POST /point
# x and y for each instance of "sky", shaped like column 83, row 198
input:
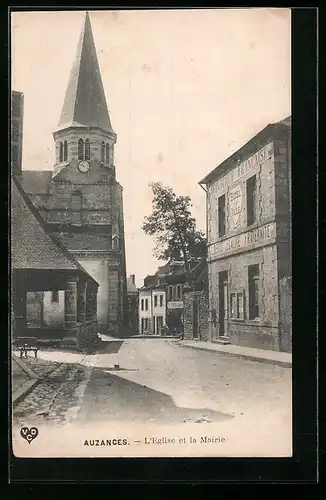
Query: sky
column 185, row 89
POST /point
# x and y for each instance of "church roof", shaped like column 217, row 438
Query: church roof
column 85, row 104
column 32, row 247
column 35, row 181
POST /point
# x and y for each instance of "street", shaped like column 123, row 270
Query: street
column 159, row 381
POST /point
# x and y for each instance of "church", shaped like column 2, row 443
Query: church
column 81, row 200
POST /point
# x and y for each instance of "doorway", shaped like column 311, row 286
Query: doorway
column 223, row 304
column 159, row 325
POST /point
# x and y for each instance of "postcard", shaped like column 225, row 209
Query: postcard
column 151, row 277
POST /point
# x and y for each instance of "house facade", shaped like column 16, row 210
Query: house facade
column 81, row 200
column 249, row 243
column 152, row 306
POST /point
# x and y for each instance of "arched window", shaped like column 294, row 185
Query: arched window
column 80, row 149
column 61, row 152
column 111, row 156
column 65, row 151
column 87, row 150
column 102, row 152
column 107, row 153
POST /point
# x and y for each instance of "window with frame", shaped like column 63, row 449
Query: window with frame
column 146, row 304
column 80, row 149
column 178, row 292
column 170, row 295
column 155, row 300
column 142, row 304
column 102, row 152
column 251, row 200
column 65, row 151
column 237, row 305
column 253, row 280
column 221, row 216
column 161, row 300
column 61, row 152
column 55, row 296
column 87, row 150
column 107, row 153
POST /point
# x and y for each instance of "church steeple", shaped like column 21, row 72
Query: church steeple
column 85, row 104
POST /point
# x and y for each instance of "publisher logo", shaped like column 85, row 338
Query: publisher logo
column 29, row 434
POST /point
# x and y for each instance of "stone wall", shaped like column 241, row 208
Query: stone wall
column 203, row 315
column 286, row 314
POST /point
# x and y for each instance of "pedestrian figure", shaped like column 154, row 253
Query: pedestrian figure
column 165, row 330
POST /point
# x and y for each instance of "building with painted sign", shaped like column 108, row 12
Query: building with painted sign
column 249, row 242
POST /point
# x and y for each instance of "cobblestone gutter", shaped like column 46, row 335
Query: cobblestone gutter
column 55, row 394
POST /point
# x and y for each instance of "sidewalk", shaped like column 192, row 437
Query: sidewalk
column 249, row 353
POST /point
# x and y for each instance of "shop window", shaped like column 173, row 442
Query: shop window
column 55, row 296
column 146, row 304
column 251, row 200
column 142, row 304
column 221, row 216
column 155, row 300
column 161, row 300
column 237, row 305
column 253, row 279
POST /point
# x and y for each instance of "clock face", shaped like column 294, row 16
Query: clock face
column 83, row 166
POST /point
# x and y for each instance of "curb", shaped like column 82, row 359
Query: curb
column 248, row 357
column 24, row 390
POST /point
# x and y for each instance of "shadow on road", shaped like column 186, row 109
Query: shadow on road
column 110, row 397
column 109, row 347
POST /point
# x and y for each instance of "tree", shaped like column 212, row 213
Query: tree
column 173, row 226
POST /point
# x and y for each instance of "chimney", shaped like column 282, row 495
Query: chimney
column 17, row 107
column 133, row 279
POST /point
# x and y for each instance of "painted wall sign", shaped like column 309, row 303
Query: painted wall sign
column 260, row 236
column 246, row 166
column 235, row 206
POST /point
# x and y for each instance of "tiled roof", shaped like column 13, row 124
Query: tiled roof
column 35, row 181
column 31, row 246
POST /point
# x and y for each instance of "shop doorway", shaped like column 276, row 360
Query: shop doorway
column 223, row 304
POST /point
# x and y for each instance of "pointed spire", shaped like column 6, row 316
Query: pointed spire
column 85, row 103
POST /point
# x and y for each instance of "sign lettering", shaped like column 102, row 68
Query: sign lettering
column 262, row 235
column 250, row 164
